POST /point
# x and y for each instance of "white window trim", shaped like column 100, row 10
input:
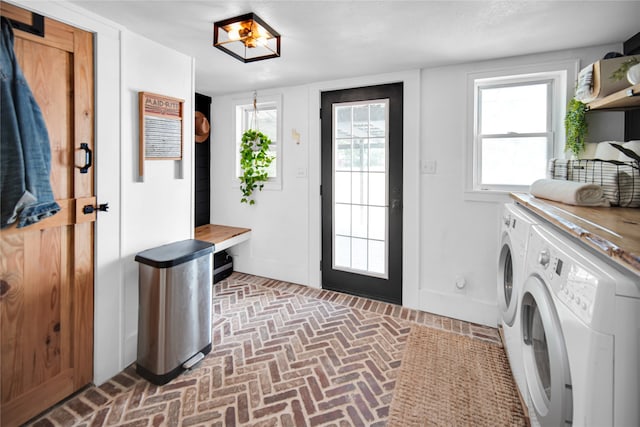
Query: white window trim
column 563, row 73
column 272, row 183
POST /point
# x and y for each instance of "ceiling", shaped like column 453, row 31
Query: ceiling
column 333, row 39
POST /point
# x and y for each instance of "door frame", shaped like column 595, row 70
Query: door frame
column 388, row 287
column 411, row 177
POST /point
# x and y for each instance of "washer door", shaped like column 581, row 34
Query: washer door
column 545, row 359
column 507, row 298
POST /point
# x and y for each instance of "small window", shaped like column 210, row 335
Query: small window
column 267, row 120
column 516, row 124
column 514, row 139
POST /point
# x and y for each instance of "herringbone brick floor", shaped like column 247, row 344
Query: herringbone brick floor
column 283, row 355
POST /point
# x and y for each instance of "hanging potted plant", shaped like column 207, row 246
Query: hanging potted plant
column 575, row 124
column 254, row 162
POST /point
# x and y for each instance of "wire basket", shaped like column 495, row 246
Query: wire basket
column 620, row 180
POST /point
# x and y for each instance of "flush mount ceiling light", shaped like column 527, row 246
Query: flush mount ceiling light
column 247, row 38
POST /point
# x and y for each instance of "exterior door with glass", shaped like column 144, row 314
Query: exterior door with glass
column 362, row 191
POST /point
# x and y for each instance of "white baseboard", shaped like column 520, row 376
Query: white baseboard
column 459, row 306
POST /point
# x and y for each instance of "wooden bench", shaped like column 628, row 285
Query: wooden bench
column 222, row 236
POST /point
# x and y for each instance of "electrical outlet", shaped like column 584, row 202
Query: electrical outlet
column 428, row 167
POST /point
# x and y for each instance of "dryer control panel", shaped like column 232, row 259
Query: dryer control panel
column 578, row 292
column 573, row 279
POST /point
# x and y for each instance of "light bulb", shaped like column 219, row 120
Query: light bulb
column 233, row 34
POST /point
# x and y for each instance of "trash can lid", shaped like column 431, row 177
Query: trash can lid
column 175, row 253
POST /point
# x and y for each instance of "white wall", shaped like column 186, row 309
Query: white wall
column 157, row 207
column 459, row 236
column 141, row 214
column 278, row 220
column 285, row 242
column 446, row 235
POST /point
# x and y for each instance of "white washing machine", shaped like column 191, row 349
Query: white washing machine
column 580, row 319
column 514, row 235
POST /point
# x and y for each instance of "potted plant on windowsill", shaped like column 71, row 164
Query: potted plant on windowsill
column 254, row 162
column 575, row 124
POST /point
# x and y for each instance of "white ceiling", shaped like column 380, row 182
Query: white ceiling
column 326, row 40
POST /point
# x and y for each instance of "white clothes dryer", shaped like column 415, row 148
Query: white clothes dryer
column 580, row 317
column 514, row 235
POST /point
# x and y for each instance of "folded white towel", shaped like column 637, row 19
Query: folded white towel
column 584, row 84
column 569, row 192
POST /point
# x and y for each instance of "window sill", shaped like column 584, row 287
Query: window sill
column 488, row 196
column 271, row 185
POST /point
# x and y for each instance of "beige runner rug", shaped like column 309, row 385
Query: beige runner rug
column 451, row 380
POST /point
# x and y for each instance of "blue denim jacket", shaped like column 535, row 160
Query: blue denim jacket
column 25, row 153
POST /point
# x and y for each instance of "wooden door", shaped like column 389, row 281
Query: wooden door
column 46, row 269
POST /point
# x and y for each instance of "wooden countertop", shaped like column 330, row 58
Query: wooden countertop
column 222, row 236
column 614, row 232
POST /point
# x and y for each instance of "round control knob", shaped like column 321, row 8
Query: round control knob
column 578, row 300
column 544, row 258
column 506, row 219
column 584, row 305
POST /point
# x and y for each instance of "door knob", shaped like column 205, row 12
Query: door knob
column 543, row 258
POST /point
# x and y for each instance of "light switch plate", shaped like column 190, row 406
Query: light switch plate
column 428, row 167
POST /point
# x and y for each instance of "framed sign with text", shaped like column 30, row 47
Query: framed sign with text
column 160, row 124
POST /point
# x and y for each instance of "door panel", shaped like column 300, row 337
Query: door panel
column 46, row 269
column 362, row 191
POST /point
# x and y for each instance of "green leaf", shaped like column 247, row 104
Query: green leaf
column 576, row 127
column 254, row 161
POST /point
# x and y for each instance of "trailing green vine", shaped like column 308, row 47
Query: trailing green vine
column 254, row 161
column 575, row 124
column 621, row 72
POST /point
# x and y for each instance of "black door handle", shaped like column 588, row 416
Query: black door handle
column 88, row 157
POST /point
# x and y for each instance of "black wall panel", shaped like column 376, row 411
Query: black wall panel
column 632, row 118
column 203, row 167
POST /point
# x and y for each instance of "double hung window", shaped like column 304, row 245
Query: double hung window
column 516, row 123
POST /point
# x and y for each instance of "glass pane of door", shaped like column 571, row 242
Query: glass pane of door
column 360, row 187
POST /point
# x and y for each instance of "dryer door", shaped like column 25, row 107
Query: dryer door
column 544, row 354
column 507, row 297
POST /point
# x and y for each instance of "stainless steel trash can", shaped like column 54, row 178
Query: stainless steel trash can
column 174, row 312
